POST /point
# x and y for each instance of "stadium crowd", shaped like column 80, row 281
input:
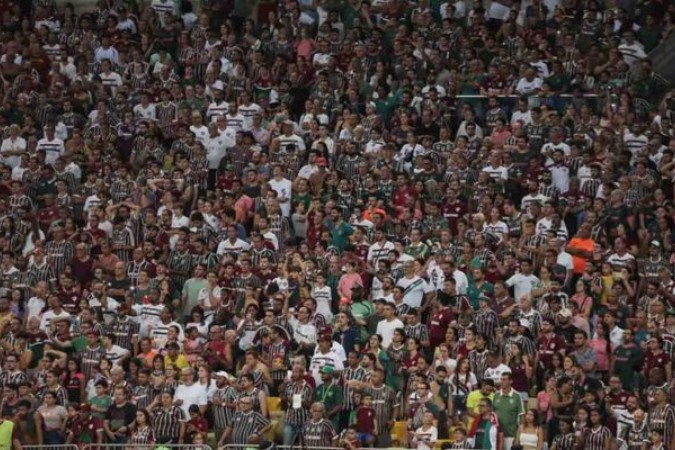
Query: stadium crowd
column 343, row 224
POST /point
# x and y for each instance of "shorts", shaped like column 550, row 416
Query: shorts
column 363, row 438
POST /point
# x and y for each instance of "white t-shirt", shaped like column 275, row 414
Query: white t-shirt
column 116, row 354
column 237, row 247
column 323, row 297
column 431, row 436
column 9, row 145
column 320, row 360
column 284, row 189
column 526, row 87
column 201, row 133
column 53, row 149
column 522, row 284
column 414, row 290
column 386, row 330
column 496, row 373
column 191, row 395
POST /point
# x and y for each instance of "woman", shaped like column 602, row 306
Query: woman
column 414, row 356
column 143, row 432
column 382, row 360
column 205, row 380
column 158, row 366
column 530, row 436
column 452, row 342
column 565, row 439
column 468, row 344
column 197, row 316
column 398, row 352
column 562, row 405
column 583, row 299
column 50, row 420
column 193, row 345
column 443, row 357
column 596, row 435
column 603, row 349
column 73, row 381
column 544, row 399
column 461, row 384
column 521, row 368
column 167, row 412
column 556, row 370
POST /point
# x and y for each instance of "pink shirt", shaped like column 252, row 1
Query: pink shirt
column 347, row 282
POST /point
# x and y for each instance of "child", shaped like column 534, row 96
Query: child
column 197, row 423
column 356, row 401
column 366, row 424
column 350, row 439
column 424, row 438
column 460, row 439
column 101, row 402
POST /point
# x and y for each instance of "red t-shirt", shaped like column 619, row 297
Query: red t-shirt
column 438, row 326
column 365, row 420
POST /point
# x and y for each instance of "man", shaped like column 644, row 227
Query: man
column 486, row 433
column 385, row 404
column 548, row 344
column 318, row 432
column 190, row 393
column 330, row 396
column 495, row 368
column 120, row 418
column 386, row 327
column 662, row 418
column 627, row 357
column 248, row 425
column 508, row 405
column 474, row 399
column 296, row 396
column 524, row 281
column 584, row 355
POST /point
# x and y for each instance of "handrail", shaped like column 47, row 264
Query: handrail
column 137, row 447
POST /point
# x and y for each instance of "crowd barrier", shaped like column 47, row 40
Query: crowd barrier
column 300, row 447
column 135, row 447
column 49, row 447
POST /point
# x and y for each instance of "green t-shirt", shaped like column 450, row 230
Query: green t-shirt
column 508, row 409
column 340, row 234
column 330, row 396
column 103, row 401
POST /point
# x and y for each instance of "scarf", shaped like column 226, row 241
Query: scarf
column 491, row 434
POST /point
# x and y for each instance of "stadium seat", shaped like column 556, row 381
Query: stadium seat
column 440, row 442
column 398, row 433
column 273, row 404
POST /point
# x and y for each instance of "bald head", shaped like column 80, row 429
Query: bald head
column 638, row 415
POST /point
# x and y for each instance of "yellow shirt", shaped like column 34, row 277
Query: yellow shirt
column 181, row 361
column 472, row 401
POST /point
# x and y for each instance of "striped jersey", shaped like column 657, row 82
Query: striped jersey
column 223, row 416
column 297, row 417
column 384, row 402
column 165, row 421
column 61, row 254
column 318, row 434
column 245, row 424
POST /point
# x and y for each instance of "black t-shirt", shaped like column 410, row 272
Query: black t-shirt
column 124, row 284
column 120, row 416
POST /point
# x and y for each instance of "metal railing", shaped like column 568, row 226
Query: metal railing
column 49, row 447
column 137, row 447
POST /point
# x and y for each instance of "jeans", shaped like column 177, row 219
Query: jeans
column 291, row 434
column 54, row 437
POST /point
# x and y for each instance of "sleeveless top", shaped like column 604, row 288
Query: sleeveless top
column 529, row 441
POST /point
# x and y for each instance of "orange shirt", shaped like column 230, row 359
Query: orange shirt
column 581, row 244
